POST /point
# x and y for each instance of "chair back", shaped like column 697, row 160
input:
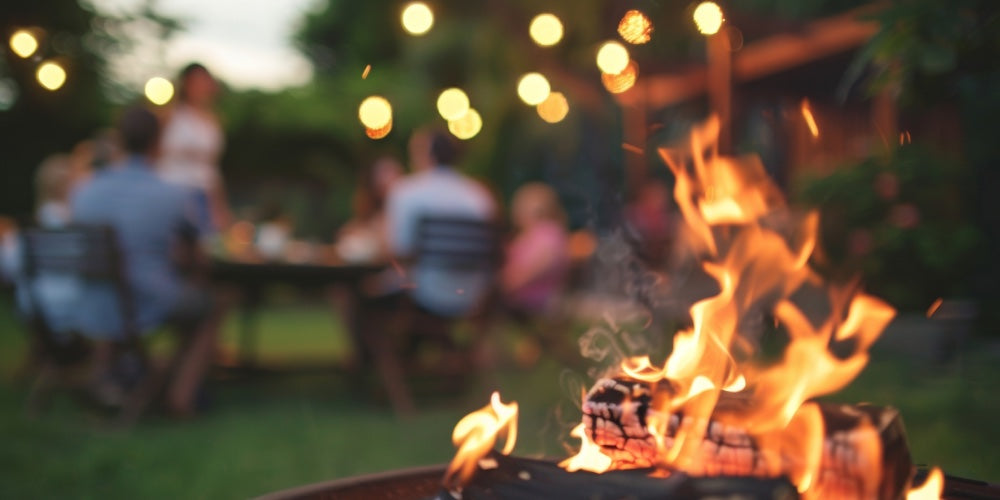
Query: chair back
column 458, row 243
column 89, row 253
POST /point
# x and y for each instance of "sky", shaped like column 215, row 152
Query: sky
column 246, row 43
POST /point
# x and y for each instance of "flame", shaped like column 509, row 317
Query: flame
column 739, row 225
column 931, row 489
column 589, row 458
column 476, row 434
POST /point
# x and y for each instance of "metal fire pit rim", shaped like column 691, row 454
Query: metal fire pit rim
column 312, row 489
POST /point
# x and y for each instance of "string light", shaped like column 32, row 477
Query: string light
column 708, row 18
column 378, row 133
column 533, row 88
column 375, row 112
column 635, row 27
column 159, row 90
column 467, row 126
column 546, row 29
column 612, row 58
column 452, row 103
column 23, row 43
column 554, row 108
column 417, row 18
column 51, row 75
column 618, row 83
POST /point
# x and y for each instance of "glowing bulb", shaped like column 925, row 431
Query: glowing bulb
column 159, row 90
column 612, row 58
column 616, row 84
column 51, row 75
column 708, row 18
column 533, row 88
column 546, row 29
column 452, row 104
column 554, row 108
column 375, row 112
column 635, row 27
column 378, row 133
column 23, row 43
column 467, row 126
column 417, row 18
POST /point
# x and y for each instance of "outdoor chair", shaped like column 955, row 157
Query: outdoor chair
column 446, row 244
column 87, row 254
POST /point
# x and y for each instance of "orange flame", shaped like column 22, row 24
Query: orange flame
column 931, row 489
column 730, row 206
column 476, row 434
column 589, row 458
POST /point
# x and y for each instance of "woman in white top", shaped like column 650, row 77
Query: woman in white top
column 192, row 143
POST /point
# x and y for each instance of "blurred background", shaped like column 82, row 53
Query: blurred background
column 880, row 114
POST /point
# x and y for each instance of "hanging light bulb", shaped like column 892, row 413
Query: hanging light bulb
column 533, row 88
column 546, row 29
column 612, row 58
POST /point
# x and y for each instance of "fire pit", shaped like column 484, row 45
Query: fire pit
column 714, row 419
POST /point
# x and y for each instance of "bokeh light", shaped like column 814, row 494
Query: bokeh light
column 618, row 83
column 533, row 88
column 635, row 27
column 417, row 18
column 378, row 133
column 708, row 18
column 51, row 75
column 546, row 29
column 612, row 58
column 467, row 126
column 554, row 108
column 375, row 112
column 23, row 43
column 159, row 90
column 452, row 103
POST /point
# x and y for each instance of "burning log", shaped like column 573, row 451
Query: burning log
column 503, row 477
column 865, row 454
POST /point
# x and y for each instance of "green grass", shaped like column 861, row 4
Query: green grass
column 265, row 433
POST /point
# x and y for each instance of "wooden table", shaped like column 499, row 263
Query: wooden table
column 253, row 278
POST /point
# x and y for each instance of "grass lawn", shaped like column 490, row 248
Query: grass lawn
column 268, row 432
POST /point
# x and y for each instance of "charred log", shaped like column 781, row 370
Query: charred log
column 504, row 477
column 615, row 414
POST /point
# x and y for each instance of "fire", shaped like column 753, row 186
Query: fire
column 729, row 207
column 589, row 458
column 807, row 115
column 931, row 489
column 476, row 434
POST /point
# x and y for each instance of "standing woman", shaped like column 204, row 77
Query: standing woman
column 192, row 143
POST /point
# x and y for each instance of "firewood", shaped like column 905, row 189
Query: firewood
column 615, row 413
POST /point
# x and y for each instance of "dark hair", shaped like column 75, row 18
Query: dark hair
column 139, row 129
column 182, row 78
column 444, row 148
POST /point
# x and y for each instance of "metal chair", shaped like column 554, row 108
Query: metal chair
column 89, row 254
column 460, row 244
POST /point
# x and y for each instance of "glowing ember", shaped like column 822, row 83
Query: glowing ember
column 612, row 58
column 546, row 30
column 807, row 115
column 708, row 18
column 621, row 82
column 635, row 27
column 476, row 434
column 554, row 108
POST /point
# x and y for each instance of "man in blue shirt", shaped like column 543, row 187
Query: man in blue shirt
column 152, row 220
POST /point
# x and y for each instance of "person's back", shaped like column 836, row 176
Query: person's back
column 439, row 191
column 148, row 217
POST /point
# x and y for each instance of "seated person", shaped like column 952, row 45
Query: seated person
column 437, row 188
column 538, row 256
column 152, row 219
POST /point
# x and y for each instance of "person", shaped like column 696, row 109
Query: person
column 152, row 220
column 363, row 237
column 192, row 145
column 53, row 183
column 538, row 257
column 437, row 188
